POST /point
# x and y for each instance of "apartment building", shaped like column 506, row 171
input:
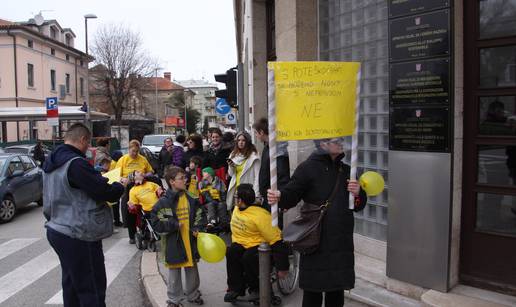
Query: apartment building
column 39, row 61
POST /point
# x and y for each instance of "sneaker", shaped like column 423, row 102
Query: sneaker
column 254, row 294
column 132, row 241
column 231, row 296
column 198, row 301
column 118, row 224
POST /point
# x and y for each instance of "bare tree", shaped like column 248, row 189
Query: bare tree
column 123, row 65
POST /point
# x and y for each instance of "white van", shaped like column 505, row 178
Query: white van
column 154, row 142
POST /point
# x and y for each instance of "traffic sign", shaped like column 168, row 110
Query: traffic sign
column 222, row 107
column 52, row 111
column 231, row 118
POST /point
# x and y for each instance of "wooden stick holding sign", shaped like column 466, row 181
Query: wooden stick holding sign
column 354, row 143
column 272, row 142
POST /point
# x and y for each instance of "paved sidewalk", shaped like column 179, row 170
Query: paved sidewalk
column 213, row 284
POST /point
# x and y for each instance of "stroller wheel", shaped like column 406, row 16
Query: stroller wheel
column 140, row 244
column 151, row 247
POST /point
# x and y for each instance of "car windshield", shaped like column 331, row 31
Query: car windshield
column 2, row 162
column 17, row 150
column 155, row 140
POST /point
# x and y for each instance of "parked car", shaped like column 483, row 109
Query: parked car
column 27, row 149
column 149, row 155
column 21, row 183
column 154, row 142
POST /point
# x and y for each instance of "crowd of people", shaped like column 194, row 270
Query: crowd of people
column 221, row 187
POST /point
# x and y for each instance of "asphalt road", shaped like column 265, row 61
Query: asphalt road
column 30, row 274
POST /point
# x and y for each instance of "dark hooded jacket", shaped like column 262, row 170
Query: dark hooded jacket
column 332, row 266
column 164, row 221
column 217, row 157
column 81, row 175
column 283, row 172
column 189, row 154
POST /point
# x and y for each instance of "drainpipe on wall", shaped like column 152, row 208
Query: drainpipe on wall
column 15, row 66
column 15, row 80
column 76, row 95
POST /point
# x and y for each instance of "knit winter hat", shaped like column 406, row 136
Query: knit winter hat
column 209, row 170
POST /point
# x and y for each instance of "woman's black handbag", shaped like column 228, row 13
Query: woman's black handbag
column 303, row 234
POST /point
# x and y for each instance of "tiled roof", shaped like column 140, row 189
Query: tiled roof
column 5, row 22
column 163, row 84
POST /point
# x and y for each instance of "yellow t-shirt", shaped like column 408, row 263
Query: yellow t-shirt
column 239, row 170
column 183, row 214
column 252, row 226
column 129, row 165
column 112, row 166
column 192, row 187
column 144, row 195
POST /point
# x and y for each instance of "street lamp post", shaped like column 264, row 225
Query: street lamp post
column 88, row 111
column 156, row 96
column 185, row 97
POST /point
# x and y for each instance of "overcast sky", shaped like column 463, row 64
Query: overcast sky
column 192, row 38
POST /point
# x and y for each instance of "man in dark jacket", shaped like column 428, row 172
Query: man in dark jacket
column 330, row 269
column 78, row 218
column 165, row 155
column 261, row 131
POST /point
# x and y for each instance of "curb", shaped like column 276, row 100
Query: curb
column 153, row 283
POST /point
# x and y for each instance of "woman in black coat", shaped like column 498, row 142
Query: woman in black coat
column 330, row 269
column 194, row 148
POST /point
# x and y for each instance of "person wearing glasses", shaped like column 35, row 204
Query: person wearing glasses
column 330, row 269
column 178, row 217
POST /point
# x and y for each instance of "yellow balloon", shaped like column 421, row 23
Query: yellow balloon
column 372, row 183
column 211, row 247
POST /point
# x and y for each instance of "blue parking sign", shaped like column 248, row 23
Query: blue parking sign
column 51, row 103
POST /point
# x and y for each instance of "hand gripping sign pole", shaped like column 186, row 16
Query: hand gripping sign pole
column 354, row 142
column 264, row 249
column 272, row 142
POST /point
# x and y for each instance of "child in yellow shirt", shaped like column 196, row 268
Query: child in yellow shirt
column 251, row 224
column 178, row 217
column 144, row 193
column 193, row 175
column 213, row 192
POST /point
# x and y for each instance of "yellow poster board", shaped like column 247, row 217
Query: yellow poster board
column 314, row 100
column 113, row 175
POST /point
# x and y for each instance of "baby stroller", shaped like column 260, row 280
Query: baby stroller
column 146, row 237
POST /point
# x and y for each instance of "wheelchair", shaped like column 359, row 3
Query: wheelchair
column 145, row 237
column 285, row 286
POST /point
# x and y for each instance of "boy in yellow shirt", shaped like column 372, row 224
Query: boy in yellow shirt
column 251, row 225
column 178, row 217
column 213, row 192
